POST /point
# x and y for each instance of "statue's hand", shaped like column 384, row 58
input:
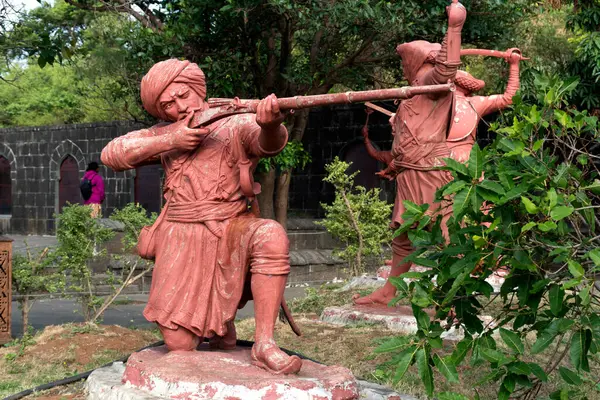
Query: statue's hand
column 268, row 116
column 457, row 14
column 384, row 173
column 182, row 136
column 513, row 55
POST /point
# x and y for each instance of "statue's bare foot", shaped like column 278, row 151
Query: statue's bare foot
column 377, row 297
column 267, row 355
column 226, row 342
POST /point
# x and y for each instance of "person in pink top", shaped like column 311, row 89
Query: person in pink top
column 97, row 198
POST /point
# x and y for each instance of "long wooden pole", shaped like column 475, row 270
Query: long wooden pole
column 298, row 102
column 222, row 108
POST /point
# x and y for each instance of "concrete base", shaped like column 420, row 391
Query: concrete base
column 229, row 375
column 398, row 319
column 107, row 384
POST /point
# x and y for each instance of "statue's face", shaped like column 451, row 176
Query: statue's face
column 178, row 99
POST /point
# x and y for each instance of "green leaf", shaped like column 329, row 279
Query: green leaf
column 572, row 378
column 519, row 368
column 509, row 382
column 457, row 167
column 461, row 350
column 412, row 207
column 394, row 344
column 580, row 345
column 475, row 165
column 560, row 212
column 556, row 294
column 425, row 370
column 493, row 356
column 547, row 226
column 527, row 226
column 571, row 283
column 575, row 269
column 461, row 200
column 421, row 297
column 454, row 187
column 493, row 186
column 455, row 286
column 594, row 255
column 446, row 367
column 406, row 359
column 552, row 198
column 538, row 372
column 594, row 187
column 422, row 318
column 529, row 205
column 512, row 340
column 544, row 340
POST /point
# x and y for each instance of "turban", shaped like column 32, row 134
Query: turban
column 415, row 55
column 468, row 82
column 164, row 73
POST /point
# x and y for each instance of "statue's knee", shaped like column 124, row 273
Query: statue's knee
column 272, row 237
column 179, row 339
column 401, row 245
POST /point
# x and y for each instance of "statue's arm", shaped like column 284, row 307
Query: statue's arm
column 135, row 148
column 488, row 104
column 260, row 142
column 447, row 60
column 379, row 155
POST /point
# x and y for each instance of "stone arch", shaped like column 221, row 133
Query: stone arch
column 8, row 154
column 63, row 150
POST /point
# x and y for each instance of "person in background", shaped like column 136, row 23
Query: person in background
column 94, row 187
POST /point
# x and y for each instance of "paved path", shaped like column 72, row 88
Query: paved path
column 47, row 312
column 36, row 243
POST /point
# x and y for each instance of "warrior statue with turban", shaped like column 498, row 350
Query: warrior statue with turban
column 212, row 253
column 420, row 127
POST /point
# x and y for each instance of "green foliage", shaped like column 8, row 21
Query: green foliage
column 134, row 217
column 80, row 238
column 534, row 212
column 34, row 274
column 292, row 156
column 357, row 217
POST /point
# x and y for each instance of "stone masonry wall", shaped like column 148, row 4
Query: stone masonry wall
column 35, row 156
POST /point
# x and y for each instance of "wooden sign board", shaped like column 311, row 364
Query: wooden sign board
column 5, row 288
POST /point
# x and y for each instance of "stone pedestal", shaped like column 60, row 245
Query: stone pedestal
column 5, row 288
column 398, row 319
column 205, row 374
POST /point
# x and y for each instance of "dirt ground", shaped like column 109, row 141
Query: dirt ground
column 66, row 350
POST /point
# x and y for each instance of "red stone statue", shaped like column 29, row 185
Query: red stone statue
column 468, row 109
column 212, row 252
column 420, row 128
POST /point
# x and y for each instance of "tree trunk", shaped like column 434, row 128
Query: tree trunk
column 25, row 312
column 282, row 196
column 265, row 198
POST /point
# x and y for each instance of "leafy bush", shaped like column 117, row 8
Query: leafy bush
column 79, row 239
column 357, row 217
column 535, row 212
column 33, row 274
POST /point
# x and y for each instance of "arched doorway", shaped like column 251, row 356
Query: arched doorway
column 361, row 161
column 5, row 187
column 148, row 188
column 68, row 187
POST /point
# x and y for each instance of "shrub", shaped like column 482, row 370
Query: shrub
column 357, row 217
column 535, row 213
